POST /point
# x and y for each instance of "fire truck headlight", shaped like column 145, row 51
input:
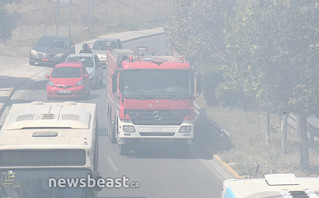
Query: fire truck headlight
column 128, row 128
column 185, row 129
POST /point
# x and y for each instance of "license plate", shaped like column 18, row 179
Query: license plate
column 156, row 129
column 64, row 91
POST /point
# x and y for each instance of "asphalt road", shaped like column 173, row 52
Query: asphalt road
column 159, row 170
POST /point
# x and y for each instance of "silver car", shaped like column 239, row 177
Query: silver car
column 92, row 64
column 101, row 45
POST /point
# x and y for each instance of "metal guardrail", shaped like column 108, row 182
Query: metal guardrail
column 312, row 125
column 292, row 120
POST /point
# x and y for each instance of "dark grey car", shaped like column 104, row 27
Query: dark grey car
column 51, row 50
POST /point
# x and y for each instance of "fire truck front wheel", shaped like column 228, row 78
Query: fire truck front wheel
column 123, row 149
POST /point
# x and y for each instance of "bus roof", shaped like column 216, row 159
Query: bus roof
column 39, row 124
column 272, row 186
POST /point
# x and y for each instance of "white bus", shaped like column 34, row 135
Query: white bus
column 272, row 186
column 40, row 142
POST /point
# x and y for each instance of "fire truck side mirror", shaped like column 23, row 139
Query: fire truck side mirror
column 121, row 58
column 114, row 82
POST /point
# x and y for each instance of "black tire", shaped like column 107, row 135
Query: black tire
column 31, row 62
column 111, row 135
column 88, row 94
column 101, row 82
column 123, row 149
column 95, row 85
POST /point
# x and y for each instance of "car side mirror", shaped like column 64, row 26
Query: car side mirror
column 86, row 75
column 47, row 76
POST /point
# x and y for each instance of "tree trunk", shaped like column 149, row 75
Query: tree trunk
column 268, row 129
column 304, row 142
column 284, row 133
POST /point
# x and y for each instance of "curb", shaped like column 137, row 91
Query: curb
column 222, row 133
column 218, row 160
column 142, row 37
column 6, row 100
column 227, row 167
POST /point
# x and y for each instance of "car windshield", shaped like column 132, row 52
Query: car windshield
column 51, row 42
column 101, row 45
column 150, row 83
column 86, row 61
column 66, row 72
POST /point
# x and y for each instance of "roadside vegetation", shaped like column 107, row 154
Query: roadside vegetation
column 259, row 64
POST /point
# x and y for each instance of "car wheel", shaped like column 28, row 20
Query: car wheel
column 31, row 62
column 88, row 93
column 96, row 84
column 101, row 82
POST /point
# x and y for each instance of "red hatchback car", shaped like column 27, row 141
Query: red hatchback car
column 68, row 79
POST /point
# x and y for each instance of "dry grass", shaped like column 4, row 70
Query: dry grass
column 248, row 134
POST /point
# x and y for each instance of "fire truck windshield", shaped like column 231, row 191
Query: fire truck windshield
column 164, row 83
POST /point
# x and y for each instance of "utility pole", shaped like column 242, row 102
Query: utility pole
column 106, row 19
column 57, row 18
column 93, row 15
column 89, row 15
column 70, row 16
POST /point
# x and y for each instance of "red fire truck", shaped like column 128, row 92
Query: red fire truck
column 150, row 98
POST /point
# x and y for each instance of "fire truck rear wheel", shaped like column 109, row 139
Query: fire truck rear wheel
column 112, row 135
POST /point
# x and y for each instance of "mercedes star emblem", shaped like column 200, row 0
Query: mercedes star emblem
column 157, row 115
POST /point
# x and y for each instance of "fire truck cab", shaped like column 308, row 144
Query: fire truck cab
column 150, row 98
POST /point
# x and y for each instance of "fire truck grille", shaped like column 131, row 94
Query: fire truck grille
column 157, row 117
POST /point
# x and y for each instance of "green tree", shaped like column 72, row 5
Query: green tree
column 272, row 56
column 7, row 20
column 267, row 50
column 196, row 30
